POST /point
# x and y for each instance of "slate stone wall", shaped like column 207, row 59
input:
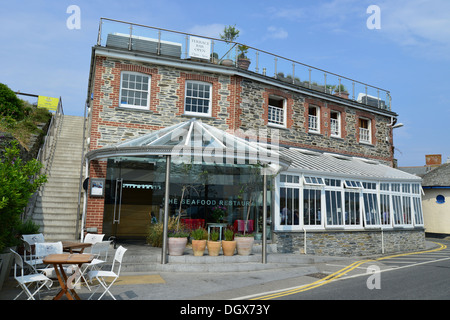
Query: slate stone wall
column 237, row 104
column 350, row 243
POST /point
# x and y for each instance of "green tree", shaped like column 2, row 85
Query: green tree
column 18, row 181
column 10, row 105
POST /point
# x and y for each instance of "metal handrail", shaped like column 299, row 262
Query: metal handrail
column 277, row 59
column 45, row 154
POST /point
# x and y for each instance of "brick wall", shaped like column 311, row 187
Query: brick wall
column 237, row 104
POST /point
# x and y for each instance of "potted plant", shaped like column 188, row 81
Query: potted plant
column 178, row 237
column 229, row 244
column 243, row 61
column 213, row 244
column 341, row 91
column 244, row 243
column 218, row 213
column 199, row 237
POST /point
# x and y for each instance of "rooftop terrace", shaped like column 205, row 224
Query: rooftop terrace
column 141, row 38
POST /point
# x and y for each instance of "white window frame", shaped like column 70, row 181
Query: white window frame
column 335, row 124
column 314, row 120
column 276, row 116
column 196, row 113
column 365, row 134
column 126, row 105
column 388, row 196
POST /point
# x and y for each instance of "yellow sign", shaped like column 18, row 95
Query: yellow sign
column 48, row 103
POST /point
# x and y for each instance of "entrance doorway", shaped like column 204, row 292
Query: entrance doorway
column 133, row 195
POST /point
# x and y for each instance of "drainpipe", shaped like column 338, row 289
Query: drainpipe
column 166, row 212
column 382, row 241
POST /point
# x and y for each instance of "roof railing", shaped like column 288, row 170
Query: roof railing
column 132, row 36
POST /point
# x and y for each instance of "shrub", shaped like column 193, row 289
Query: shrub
column 18, row 181
column 155, row 231
column 10, row 105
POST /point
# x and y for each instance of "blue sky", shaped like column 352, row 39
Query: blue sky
column 409, row 54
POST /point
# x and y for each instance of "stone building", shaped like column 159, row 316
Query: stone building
column 331, row 188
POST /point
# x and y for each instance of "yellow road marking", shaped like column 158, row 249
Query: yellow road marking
column 142, row 279
column 338, row 274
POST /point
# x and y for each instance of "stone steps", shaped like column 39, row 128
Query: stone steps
column 57, row 203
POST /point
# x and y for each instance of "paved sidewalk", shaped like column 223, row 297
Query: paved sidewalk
column 177, row 281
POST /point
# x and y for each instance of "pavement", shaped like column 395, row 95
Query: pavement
column 187, row 277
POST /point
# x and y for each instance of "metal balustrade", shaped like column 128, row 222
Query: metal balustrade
column 137, row 37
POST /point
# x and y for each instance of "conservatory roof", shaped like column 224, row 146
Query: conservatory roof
column 311, row 162
column 194, row 138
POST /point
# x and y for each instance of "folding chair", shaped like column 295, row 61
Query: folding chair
column 93, row 238
column 100, row 251
column 101, row 274
column 29, row 241
column 27, row 280
column 90, row 238
column 46, row 248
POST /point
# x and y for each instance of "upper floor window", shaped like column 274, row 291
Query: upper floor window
column 364, row 131
column 134, row 90
column 313, row 119
column 335, row 123
column 198, row 98
column 276, row 111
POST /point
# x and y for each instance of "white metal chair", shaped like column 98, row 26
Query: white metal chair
column 46, row 248
column 29, row 240
column 25, row 281
column 100, row 275
column 100, row 252
column 93, row 238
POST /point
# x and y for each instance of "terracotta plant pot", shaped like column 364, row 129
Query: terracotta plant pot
column 198, row 246
column 243, row 63
column 213, row 247
column 177, row 246
column 228, row 247
column 244, row 245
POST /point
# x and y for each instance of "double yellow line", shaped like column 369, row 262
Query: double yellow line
column 338, row 274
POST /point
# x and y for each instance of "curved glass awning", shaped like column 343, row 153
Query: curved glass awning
column 195, row 139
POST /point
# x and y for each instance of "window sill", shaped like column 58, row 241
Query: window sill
column 191, row 115
column 277, row 126
column 146, row 109
column 366, row 143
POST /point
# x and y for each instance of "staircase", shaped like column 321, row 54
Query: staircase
column 57, row 203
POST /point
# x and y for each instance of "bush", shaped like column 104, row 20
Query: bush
column 10, row 105
column 16, row 187
column 155, row 231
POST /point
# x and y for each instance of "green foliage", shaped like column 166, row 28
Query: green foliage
column 229, row 234
column 174, row 229
column 214, row 235
column 243, row 51
column 199, row 234
column 10, row 105
column 230, row 33
column 16, row 187
column 28, row 227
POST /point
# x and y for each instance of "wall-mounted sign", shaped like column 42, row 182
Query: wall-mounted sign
column 97, row 187
column 48, row 103
column 199, row 48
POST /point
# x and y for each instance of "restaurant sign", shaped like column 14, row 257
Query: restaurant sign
column 199, row 48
